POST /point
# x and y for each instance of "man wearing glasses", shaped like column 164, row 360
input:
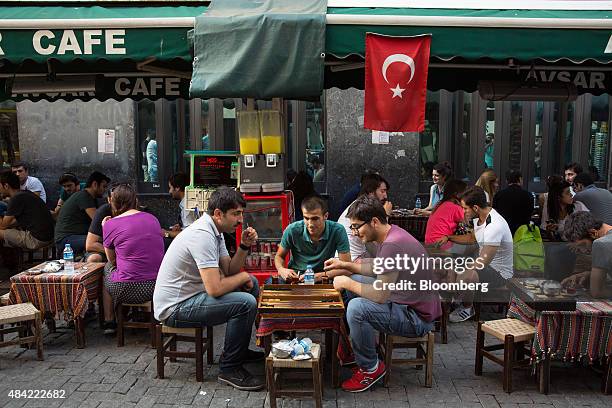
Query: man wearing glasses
column 311, row 241
column 382, row 305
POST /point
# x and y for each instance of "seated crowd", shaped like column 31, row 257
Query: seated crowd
column 188, row 273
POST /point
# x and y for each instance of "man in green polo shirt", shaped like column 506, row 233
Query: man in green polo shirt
column 312, row 241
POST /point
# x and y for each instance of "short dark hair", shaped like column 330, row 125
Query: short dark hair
column 179, row 180
column 444, row 169
column 475, row 196
column 513, row 176
column 367, row 173
column 578, row 224
column 313, row 202
column 225, row 199
column 576, row 167
column 371, row 182
column 365, row 208
column 20, row 164
column 10, row 178
column 97, row 177
column 68, row 178
column 583, row 178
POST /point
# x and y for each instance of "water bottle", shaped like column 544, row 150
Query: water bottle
column 68, row 259
column 417, row 203
column 309, row 276
column 301, row 347
column 535, row 200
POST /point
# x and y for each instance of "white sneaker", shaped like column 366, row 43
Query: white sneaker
column 461, row 314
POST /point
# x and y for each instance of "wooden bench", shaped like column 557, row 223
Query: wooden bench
column 22, row 317
column 424, row 354
column 120, row 311
column 274, row 366
column 516, row 336
column 168, row 348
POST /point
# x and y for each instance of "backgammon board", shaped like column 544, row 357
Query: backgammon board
column 300, row 300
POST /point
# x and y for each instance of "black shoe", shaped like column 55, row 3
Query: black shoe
column 241, row 379
column 252, row 356
column 109, row 328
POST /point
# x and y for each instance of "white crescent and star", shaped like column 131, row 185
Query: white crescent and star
column 397, row 91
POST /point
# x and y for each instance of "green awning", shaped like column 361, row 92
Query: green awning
column 526, row 35
column 94, row 33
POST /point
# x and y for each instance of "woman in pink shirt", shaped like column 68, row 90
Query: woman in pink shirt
column 446, row 216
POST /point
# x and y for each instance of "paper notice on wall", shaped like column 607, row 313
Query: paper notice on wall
column 106, row 140
column 380, row 137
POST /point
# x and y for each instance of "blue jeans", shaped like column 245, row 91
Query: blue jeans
column 237, row 309
column 366, row 317
column 77, row 243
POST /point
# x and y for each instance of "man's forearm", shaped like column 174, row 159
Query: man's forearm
column 230, row 283
column 368, row 291
column 237, row 261
column 465, row 239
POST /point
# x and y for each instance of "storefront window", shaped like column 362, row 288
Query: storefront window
column 315, row 144
column 230, row 126
column 463, row 102
column 205, row 125
column 489, row 148
column 146, row 138
column 600, row 136
column 429, row 140
column 9, row 141
column 538, row 142
column 516, row 133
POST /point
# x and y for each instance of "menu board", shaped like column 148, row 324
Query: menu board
column 214, row 170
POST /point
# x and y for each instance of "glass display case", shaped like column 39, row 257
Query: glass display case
column 269, row 215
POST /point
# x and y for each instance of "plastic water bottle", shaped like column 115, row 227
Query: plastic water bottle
column 309, row 276
column 417, row 203
column 68, row 259
column 301, row 347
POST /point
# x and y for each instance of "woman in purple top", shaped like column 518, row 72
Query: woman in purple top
column 134, row 248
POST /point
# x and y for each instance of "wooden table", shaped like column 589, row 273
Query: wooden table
column 533, row 297
column 303, row 307
column 585, row 332
column 414, row 224
column 61, row 292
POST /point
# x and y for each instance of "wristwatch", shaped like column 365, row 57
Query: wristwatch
column 244, row 247
column 166, row 234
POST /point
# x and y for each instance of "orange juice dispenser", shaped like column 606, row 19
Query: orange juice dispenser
column 262, row 167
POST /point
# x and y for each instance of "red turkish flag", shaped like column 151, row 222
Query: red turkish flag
column 396, row 82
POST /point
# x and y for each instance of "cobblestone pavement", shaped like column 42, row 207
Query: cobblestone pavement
column 103, row 375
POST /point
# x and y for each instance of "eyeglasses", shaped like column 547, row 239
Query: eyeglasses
column 355, row 228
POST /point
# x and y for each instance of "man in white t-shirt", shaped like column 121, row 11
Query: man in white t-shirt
column 28, row 182
column 494, row 264
column 372, row 185
column 176, row 187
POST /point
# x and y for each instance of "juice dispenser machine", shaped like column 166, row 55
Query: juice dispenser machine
column 262, row 162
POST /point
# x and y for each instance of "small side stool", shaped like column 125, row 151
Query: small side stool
column 273, row 373
column 146, row 307
column 424, row 354
column 26, row 316
column 516, row 336
column 175, row 334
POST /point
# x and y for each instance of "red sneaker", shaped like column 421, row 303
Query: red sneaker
column 361, row 381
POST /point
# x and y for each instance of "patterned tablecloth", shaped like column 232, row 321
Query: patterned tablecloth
column 58, row 292
column 586, row 332
column 414, row 224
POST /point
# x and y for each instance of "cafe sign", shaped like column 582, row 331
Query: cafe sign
column 116, row 87
column 595, row 80
column 163, row 43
